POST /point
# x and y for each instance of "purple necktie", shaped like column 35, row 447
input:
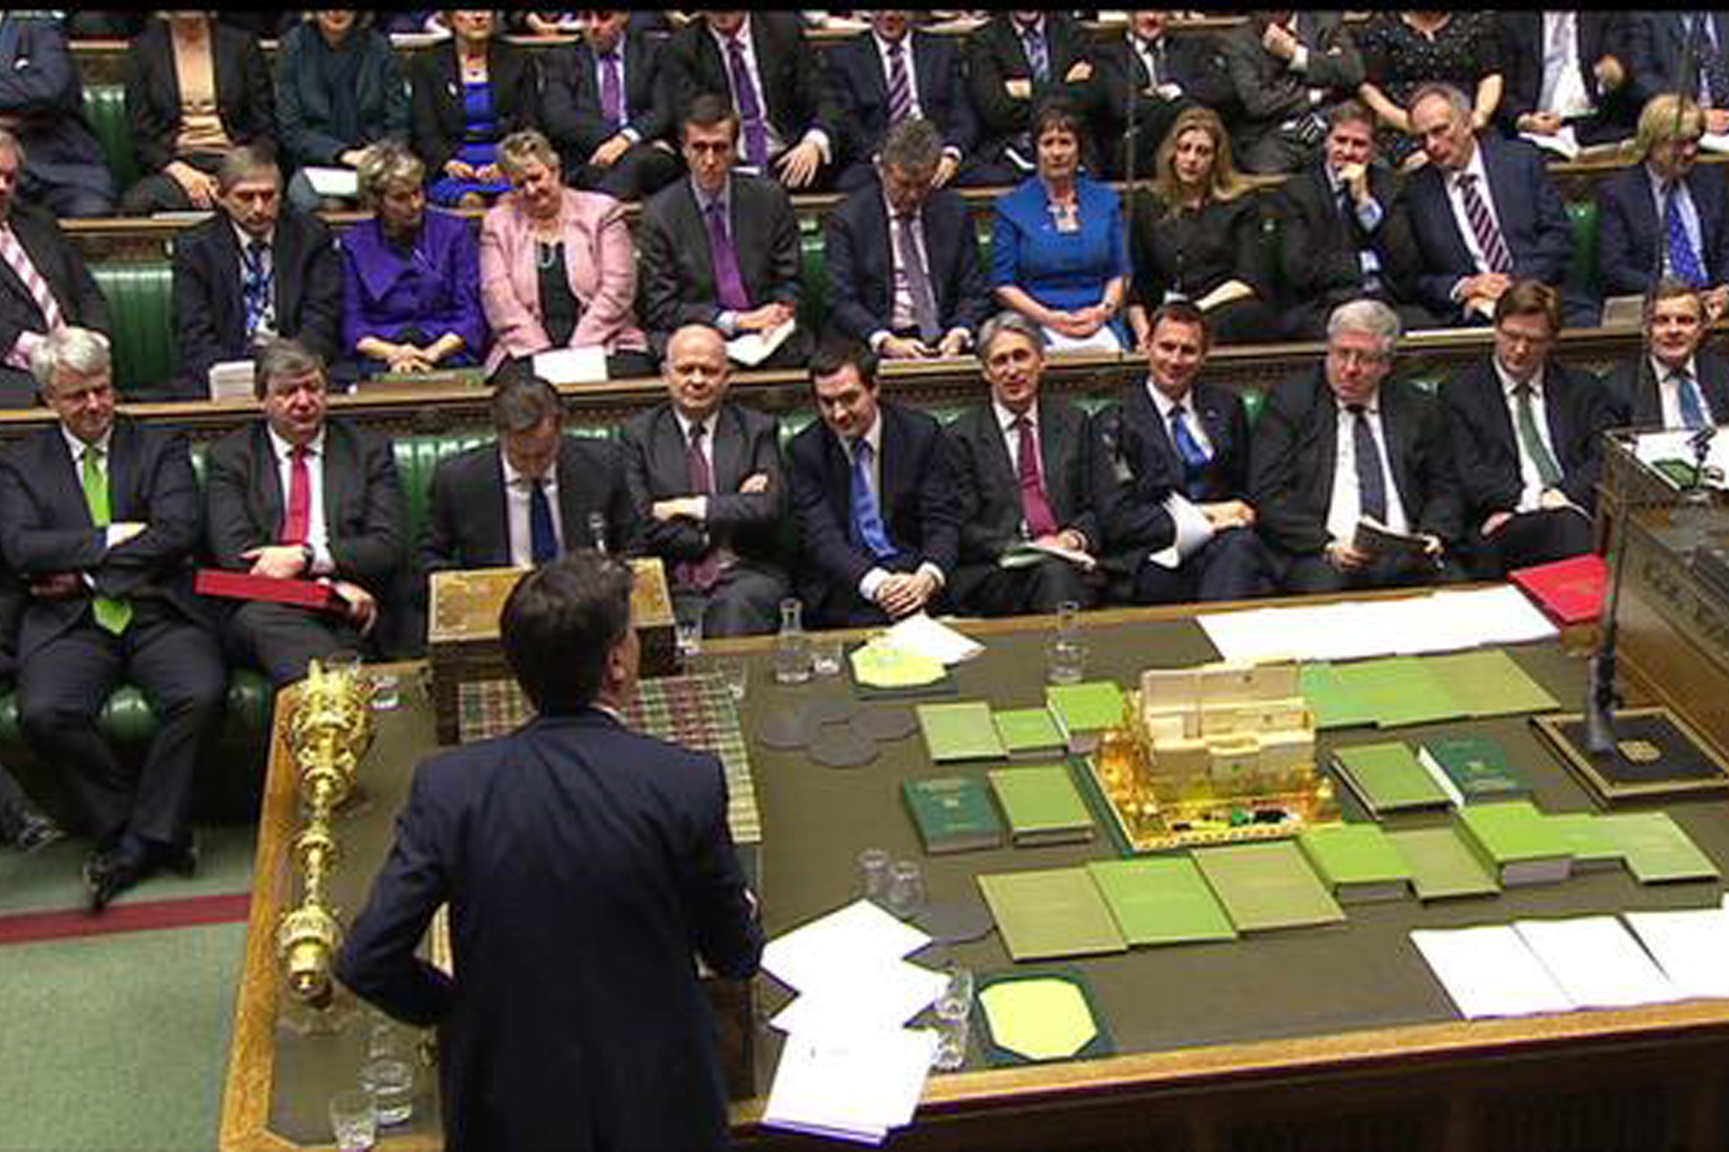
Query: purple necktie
column 900, row 85
column 611, row 91
column 728, row 284
column 749, row 107
column 1035, row 508
column 918, row 281
column 701, row 574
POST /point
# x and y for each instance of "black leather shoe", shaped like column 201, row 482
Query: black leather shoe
column 182, row 860
column 107, row 876
column 38, row 832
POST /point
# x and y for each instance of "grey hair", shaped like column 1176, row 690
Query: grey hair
column 1007, row 321
column 1456, row 99
column 80, row 350
column 284, row 357
column 913, row 145
column 245, row 162
column 386, row 163
column 1371, row 316
column 516, row 149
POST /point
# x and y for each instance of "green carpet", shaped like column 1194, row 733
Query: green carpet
column 117, row 1043
column 50, row 880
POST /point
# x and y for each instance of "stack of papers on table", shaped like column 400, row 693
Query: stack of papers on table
column 849, row 1069
column 919, row 633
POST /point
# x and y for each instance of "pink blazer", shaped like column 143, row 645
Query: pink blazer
column 599, row 259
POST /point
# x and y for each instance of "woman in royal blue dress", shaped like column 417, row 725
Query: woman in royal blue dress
column 469, row 94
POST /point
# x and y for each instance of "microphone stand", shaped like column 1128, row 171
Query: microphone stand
column 1132, row 142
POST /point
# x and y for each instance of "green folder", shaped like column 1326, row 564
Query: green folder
column 1161, row 900
column 1357, row 862
column 1085, row 709
column 1442, row 865
column 1475, row 766
column 1029, row 731
column 1489, row 682
column 960, row 731
column 1657, row 849
column 1050, row 913
column 1517, row 841
column 1266, row 886
column 1334, row 705
column 1588, row 838
column 953, row 813
column 1400, row 690
column 1387, row 777
column 1042, row 804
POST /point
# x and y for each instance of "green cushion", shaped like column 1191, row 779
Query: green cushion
column 813, row 295
column 141, row 309
column 126, row 719
column 1582, row 271
column 105, row 108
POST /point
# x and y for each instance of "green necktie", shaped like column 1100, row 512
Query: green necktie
column 1531, row 441
column 111, row 614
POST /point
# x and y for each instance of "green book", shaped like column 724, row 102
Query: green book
column 1334, row 705
column 1472, row 768
column 1657, row 849
column 1400, row 690
column 1357, row 862
column 1050, row 913
column 1442, row 865
column 1161, row 900
column 1588, row 838
column 1042, row 804
column 953, row 813
column 1083, row 711
column 1387, row 777
column 1517, row 842
column 1267, row 885
column 1029, row 732
column 960, row 731
column 1489, row 682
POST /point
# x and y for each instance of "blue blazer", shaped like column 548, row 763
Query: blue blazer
column 1059, row 270
column 1655, row 43
column 1630, row 226
column 1533, row 222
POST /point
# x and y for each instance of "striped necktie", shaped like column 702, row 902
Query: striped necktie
column 900, row 85
column 1489, row 237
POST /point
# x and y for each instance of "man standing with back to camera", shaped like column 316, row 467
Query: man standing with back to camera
column 585, row 867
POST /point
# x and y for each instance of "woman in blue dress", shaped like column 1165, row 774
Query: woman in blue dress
column 469, row 94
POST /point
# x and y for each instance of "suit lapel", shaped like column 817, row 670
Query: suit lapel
column 881, row 243
column 725, row 463
column 65, row 486
column 266, row 485
column 572, row 508
column 1056, row 442
column 339, row 469
column 1396, row 432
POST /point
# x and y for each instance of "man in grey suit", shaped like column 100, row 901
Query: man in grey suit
column 705, row 483
column 1288, row 69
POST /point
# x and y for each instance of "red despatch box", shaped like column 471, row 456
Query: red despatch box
column 1570, row 591
column 245, row 586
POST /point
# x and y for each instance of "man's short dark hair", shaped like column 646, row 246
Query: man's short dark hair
column 1348, row 112
column 1182, row 312
column 1530, row 298
column 284, row 357
column 523, row 401
column 836, row 352
column 709, row 110
column 560, row 626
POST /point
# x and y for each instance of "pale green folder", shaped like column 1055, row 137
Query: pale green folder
column 1489, row 682
column 963, row 731
column 1442, row 865
column 1267, row 885
column 1161, row 900
column 1400, row 690
column 1050, row 913
column 1656, row 848
column 1334, row 705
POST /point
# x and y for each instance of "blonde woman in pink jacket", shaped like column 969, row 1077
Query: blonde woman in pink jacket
column 557, row 267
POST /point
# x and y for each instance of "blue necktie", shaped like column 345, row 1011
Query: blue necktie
column 1687, row 392
column 1189, row 449
column 867, row 520
column 256, row 290
column 1037, row 58
column 1371, row 484
column 542, row 539
column 1683, row 258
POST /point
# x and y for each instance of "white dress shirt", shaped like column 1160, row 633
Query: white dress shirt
column 776, row 142
column 1563, row 89
column 517, row 488
column 1193, row 527
column 1669, row 391
column 317, row 534
column 1346, row 507
column 1530, row 484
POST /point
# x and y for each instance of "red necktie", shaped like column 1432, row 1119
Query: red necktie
column 297, row 523
column 1034, row 507
column 701, row 574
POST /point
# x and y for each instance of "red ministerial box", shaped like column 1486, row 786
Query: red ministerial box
column 1570, row 591
column 245, row 586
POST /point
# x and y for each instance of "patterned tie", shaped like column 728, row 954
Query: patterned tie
column 297, row 519
column 611, row 90
column 1531, row 441
column 112, row 615
column 1489, row 238
column 1371, row 484
column 918, row 280
column 700, row 574
column 1035, row 508
column 749, row 106
column 1687, row 392
column 1037, row 57
column 867, row 520
column 1712, row 66
column 900, row 85
column 1189, row 451
column 256, row 289
column 1683, row 257
column 19, row 261
column 542, row 536
column 728, row 283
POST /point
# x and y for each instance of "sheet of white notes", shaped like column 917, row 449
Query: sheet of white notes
column 1691, row 946
column 1596, row 961
column 1489, row 971
column 934, row 639
column 894, row 994
column 860, row 937
column 852, row 1087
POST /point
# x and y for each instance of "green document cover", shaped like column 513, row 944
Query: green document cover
column 953, row 813
column 1387, row 777
column 1039, row 1013
column 1357, row 862
column 1489, row 682
column 1518, row 841
column 1029, row 732
column 1042, row 804
column 1266, row 886
column 1400, row 690
column 1442, row 864
column 1050, row 913
column 1334, row 705
column 1476, row 766
column 1657, row 849
column 1089, row 707
column 960, row 731
column 1588, row 838
column 1161, row 900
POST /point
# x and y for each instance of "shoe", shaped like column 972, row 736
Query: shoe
column 182, row 859
column 38, row 832
column 107, row 875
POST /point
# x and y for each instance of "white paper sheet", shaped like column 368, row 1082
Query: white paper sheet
column 1691, row 946
column 753, row 348
column 571, row 365
column 851, row 1088
column 927, row 637
column 1488, row 971
column 832, row 948
column 1596, row 961
column 893, row 995
column 327, row 181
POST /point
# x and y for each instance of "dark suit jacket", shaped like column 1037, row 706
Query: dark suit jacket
column 40, row 84
column 436, row 122
column 995, row 54
column 210, row 312
column 1296, row 449
column 1597, row 34
column 570, row 97
column 916, row 497
column 364, row 512
column 1633, row 392
column 580, row 1029
column 987, row 488
column 1319, row 245
column 1533, row 222
column 675, row 270
column 857, row 250
column 746, row 442
column 795, row 89
column 60, row 264
column 1193, row 61
column 861, row 90
column 245, row 98
column 1136, row 467
column 48, row 529
column 1630, row 230
column 1270, row 91
column 1656, row 42
column 468, row 524
column 308, row 122
column 1486, row 448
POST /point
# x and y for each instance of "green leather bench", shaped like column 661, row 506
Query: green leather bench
column 141, row 312
column 105, row 109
